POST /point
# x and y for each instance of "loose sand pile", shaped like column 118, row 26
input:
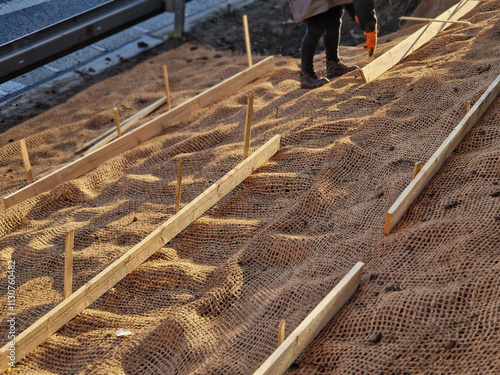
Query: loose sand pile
column 211, row 300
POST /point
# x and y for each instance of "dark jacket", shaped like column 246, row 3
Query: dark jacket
column 365, row 10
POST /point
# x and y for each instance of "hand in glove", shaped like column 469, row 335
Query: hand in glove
column 371, row 42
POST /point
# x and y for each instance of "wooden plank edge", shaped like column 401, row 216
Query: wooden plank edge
column 305, row 333
column 39, row 331
column 379, row 66
column 411, row 192
column 89, row 162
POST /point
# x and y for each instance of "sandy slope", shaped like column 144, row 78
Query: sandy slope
column 211, row 300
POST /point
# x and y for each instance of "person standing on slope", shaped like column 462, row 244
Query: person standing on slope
column 324, row 17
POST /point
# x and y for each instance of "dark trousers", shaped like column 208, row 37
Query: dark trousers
column 327, row 23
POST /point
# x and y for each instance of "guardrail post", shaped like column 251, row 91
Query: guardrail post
column 179, row 18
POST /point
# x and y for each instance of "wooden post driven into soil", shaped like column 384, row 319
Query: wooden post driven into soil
column 247, row 40
column 68, row 263
column 248, row 128
column 167, row 87
column 430, row 168
column 305, row 333
column 26, row 161
column 117, row 123
column 44, row 327
column 178, row 188
column 386, row 61
column 417, row 168
column 281, row 332
column 140, row 134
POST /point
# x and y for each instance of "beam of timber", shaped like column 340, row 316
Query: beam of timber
column 305, row 333
column 26, row 161
column 44, row 327
column 125, row 125
column 387, row 60
column 112, row 136
column 419, row 19
column 432, row 166
column 141, row 134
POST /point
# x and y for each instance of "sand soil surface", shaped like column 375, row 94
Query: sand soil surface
column 210, row 300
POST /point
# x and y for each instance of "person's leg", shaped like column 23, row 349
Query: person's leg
column 315, row 28
column 332, row 32
column 334, row 68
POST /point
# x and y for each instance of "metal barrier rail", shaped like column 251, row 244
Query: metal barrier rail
column 39, row 48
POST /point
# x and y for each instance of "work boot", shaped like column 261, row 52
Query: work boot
column 309, row 80
column 334, row 68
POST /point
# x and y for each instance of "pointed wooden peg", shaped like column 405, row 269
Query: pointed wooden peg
column 247, row 40
column 117, row 123
column 167, row 87
column 281, row 332
column 248, row 127
column 68, row 263
column 468, row 106
column 178, row 189
column 418, row 166
column 26, row 161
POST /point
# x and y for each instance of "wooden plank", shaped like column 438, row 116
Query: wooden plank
column 432, row 166
column 387, row 60
column 26, row 161
column 68, row 263
column 248, row 128
column 141, row 134
column 125, row 125
column 44, row 327
column 305, row 333
column 420, row 19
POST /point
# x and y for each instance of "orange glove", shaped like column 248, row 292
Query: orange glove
column 371, row 42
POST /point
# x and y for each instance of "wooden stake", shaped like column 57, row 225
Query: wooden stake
column 304, row 334
column 468, row 106
column 125, row 125
column 45, row 326
column 248, row 127
column 26, row 161
column 387, row 60
column 117, row 123
column 167, row 87
column 432, row 166
column 420, row 19
column 68, row 263
column 416, row 169
column 178, row 188
column 247, row 40
column 281, row 332
column 140, row 134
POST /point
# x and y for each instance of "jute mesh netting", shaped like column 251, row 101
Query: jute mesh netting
column 210, row 301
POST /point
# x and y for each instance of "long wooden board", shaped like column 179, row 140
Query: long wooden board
column 416, row 40
column 428, row 171
column 140, row 134
column 44, row 327
column 305, row 333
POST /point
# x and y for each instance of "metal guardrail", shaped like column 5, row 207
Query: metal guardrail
column 39, row 48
